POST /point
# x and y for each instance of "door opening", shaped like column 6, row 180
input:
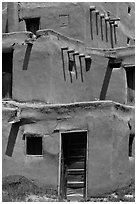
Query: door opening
column 32, row 24
column 73, row 165
column 130, row 73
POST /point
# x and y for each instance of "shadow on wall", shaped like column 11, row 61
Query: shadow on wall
column 7, row 66
column 12, row 139
column 111, row 64
column 13, row 135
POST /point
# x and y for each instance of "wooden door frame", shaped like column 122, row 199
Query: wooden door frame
column 60, row 154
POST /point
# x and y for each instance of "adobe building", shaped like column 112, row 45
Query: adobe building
column 68, row 86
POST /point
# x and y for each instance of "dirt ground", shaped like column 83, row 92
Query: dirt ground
column 20, row 189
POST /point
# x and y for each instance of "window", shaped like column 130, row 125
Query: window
column 7, row 60
column 34, row 145
column 32, row 24
column 63, row 20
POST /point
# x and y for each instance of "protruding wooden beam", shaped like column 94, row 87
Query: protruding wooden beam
column 92, row 8
column 70, row 63
column 111, row 34
column 80, row 56
column 63, row 62
column 115, row 34
column 75, row 67
column 106, row 28
column 97, row 13
column 101, row 24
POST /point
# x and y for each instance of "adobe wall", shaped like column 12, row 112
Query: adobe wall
column 4, row 17
column 43, row 78
column 73, row 20
column 107, row 123
column 77, row 20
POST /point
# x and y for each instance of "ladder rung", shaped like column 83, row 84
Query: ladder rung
column 75, row 182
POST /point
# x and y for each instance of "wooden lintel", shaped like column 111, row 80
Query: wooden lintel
column 129, row 66
column 125, row 51
column 117, row 53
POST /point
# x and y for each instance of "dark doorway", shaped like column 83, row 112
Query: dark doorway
column 7, row 63
column 32, row 24
column 73, row 165
column 131, row 140
column 130, row 74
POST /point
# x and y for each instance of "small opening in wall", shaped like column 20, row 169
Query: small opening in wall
column 131, row 139
column 33, row 145
column 129, row 10
column 128, row 41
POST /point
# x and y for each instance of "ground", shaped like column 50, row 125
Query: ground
column 18, row 189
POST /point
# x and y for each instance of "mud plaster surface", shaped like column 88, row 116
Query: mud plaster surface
column 108, row 165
